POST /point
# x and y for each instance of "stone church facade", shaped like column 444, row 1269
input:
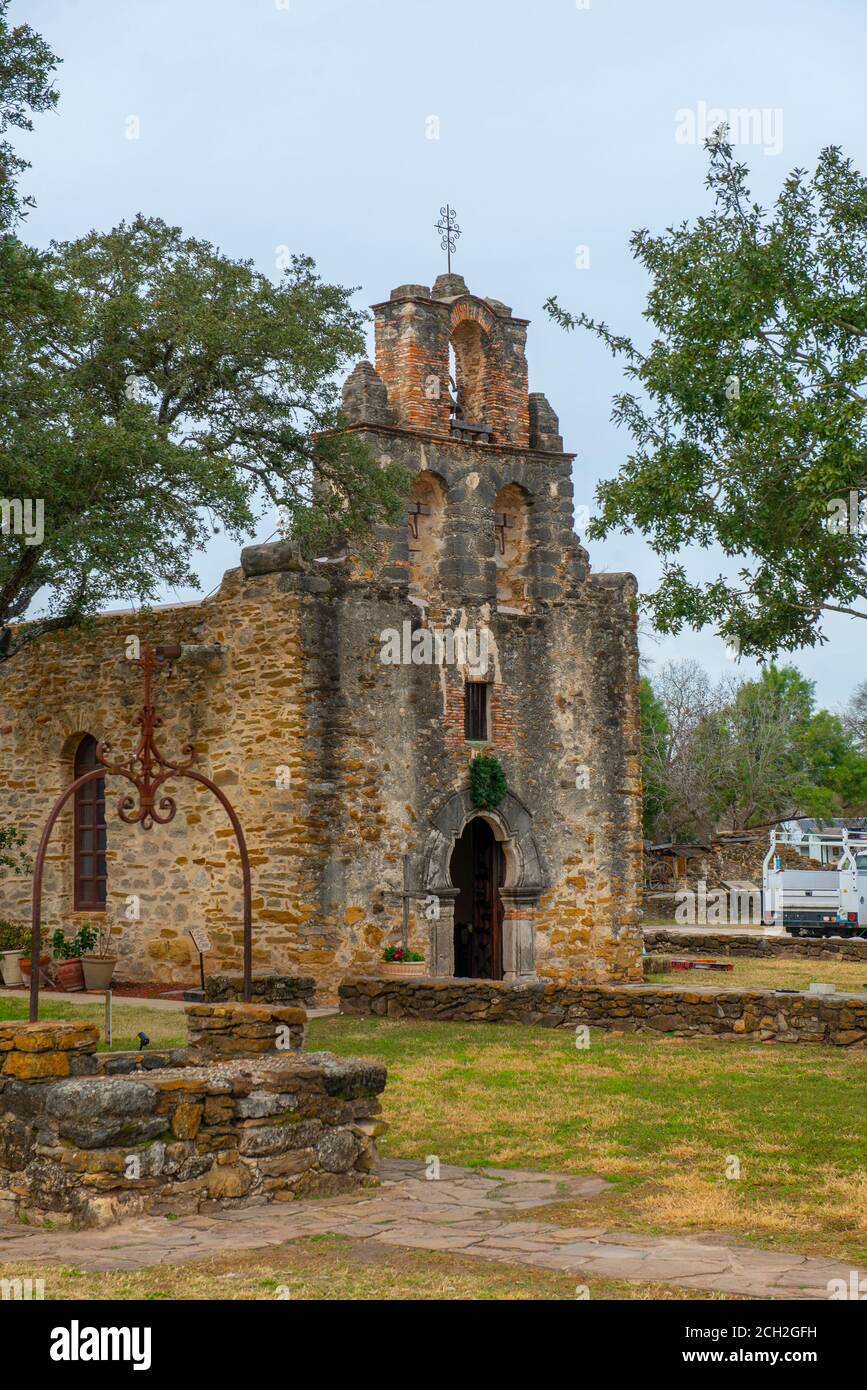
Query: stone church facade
column 338, row 702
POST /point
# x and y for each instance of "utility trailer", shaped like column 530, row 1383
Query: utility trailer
column 817, row 902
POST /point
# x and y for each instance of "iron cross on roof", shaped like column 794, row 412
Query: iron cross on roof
column 450, row 231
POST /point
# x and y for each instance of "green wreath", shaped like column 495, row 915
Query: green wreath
column 487, row 781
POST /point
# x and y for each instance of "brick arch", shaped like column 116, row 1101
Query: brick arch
column 60, row 738
column 477, row 312
column 68, row 727
column 476, row 341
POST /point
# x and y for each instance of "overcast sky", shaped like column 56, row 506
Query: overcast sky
column 308, row 124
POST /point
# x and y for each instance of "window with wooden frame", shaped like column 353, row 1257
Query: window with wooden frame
column 89, row 871
column 476, row 715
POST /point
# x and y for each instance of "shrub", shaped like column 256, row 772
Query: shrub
column 13, row 853
column 14, row 937
column 487, row 781
column 70, row 948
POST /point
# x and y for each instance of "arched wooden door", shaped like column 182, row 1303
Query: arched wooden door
column 478, row 870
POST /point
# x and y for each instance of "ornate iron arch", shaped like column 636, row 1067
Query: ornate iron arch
column 147, row 770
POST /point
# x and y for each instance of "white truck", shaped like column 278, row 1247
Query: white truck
column 817, row 902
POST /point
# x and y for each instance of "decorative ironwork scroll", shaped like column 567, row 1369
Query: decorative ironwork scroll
column 148, row 771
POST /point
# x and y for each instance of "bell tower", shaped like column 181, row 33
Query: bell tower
column 490, row 513
column 486, row 392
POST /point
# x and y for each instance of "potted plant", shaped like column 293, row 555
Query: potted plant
column 98, row 964
column 68, row 951
column 399, row 963
column 25, row 963
column 13, row 939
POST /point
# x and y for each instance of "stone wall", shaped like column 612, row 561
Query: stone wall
column 268, row 989
column 230, row 1030
column 45, row 1051
column 201, row 1128
column 658, row 941
column 747, row 1014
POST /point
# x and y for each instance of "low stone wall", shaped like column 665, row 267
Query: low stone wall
column 708, row 943
column 205, row 1126
column 266, row 989
column 45, row 1051
column 756, row 1015
column 233, row 1030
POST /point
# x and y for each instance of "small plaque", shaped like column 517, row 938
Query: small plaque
column 200, row 937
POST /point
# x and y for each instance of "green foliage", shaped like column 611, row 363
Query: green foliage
column 654, row 725
column 750, row 412
column 154, row 391
column 26, row 65
column 855, row 717
column 399, row 953
column 13, row 854
column 70, row 948
column 487, row 781
column 14, row 937
column 748, row 753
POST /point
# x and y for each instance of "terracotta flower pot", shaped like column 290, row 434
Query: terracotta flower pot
column 98, row 971
column 25, row 966
column 402, row 969
column 69, row 975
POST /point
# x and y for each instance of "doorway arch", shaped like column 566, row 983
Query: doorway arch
column 477, row 869
column 522, row 880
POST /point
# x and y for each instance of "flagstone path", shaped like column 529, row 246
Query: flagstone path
column 468, row 1211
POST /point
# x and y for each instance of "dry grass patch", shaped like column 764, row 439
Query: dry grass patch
column 776, row 973
column 335, row 1268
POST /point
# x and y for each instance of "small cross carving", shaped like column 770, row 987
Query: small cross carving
column 414, row 511
column 502, row 521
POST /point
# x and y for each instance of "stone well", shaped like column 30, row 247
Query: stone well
column 239, row 1116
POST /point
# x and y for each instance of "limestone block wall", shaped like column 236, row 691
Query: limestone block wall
column 563, row 682
column 265, row 988
column 45, row 1051
column 746, row 1014
column 227, row 1030
column 658, row 941
column 335, row 763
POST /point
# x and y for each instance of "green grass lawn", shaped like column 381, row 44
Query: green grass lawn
column 164, row 1027
column 660, row 1118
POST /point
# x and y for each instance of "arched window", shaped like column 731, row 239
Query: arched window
column 512, row 549
column 425, row 519
column 469, row 343
column 90, row 877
